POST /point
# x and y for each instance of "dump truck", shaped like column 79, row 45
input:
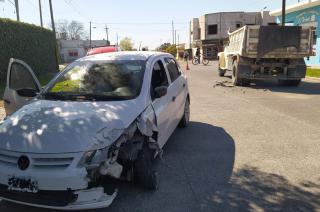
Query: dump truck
column 267, row 52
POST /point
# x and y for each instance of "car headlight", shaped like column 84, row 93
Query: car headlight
column 93, row 157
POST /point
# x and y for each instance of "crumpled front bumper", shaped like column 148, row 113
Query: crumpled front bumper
column 86, row 199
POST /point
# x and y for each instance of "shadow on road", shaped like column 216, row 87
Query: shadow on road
column 305, row 87
column 196, row 174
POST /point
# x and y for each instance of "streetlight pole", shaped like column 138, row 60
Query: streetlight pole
column 283, row 12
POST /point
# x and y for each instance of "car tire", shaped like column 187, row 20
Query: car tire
column 290, row 82
column 144, row 174
column 186, row 115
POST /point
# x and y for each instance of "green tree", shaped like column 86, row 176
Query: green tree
column 126, row 44
column 163, row 47
column 171, row 50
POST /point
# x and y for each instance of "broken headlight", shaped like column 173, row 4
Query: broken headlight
column 93, row 157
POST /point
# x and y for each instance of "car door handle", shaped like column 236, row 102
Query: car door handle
column 173, row 98
column 6, row 101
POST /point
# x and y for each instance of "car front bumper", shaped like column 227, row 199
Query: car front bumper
column 61, row 200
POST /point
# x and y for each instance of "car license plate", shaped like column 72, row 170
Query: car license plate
column 22, row 184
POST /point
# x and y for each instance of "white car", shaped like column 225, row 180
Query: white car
column 104, row 115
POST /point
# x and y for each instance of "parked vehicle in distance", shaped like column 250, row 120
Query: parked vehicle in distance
column 105, row 49
column 267, row 52
column 103, row 115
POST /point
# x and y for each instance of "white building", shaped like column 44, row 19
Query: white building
column 71, row 50
column 210, row 31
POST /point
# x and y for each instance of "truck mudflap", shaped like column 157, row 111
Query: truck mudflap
column 86, row 199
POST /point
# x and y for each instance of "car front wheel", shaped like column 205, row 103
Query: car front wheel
column 186, row 115
column 144, row 174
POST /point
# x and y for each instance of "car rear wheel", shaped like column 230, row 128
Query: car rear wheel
column 144, row 174
column 186, row 115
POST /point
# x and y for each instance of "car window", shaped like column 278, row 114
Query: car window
column 21, row 78
column 159, row 77
column 172, row 68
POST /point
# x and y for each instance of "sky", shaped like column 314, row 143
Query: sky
column 145, row 21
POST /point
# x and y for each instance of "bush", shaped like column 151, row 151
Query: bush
column 27, row 42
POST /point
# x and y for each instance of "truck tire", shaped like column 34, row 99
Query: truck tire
column 221, row 71
column 236, row 80
column 290, row 82
column 144, row 175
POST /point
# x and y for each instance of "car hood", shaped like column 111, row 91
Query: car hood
column 60, row 127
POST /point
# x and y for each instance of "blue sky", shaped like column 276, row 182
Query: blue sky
column 146, row 21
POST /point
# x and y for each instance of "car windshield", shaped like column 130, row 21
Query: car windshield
column 97, row 80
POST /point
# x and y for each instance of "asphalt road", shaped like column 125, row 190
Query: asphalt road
column 246, row 149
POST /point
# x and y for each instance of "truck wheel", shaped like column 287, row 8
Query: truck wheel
column 144, row 175
column 235, row 78
column 186, row 115
column 290, row 82
column 222, row 72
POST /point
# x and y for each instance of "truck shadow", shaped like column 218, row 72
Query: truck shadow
column 305, row 87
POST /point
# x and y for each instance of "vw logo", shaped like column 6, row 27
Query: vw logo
column 23, row 162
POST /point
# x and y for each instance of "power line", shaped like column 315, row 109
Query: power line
column 73, row 7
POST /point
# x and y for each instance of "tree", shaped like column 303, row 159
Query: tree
column 172, row 50
column 73, row 30
column 126, row 44
column 163, row 47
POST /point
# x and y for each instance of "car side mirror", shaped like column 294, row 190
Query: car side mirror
column 27, row 92
column 161, row 91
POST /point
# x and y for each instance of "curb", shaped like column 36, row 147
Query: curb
column 313, row 78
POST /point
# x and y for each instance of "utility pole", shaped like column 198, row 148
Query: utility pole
column 16, row 3
column 190, row 36
column 107, row 32
column 283, row 12
column 52, row 20
column 90, row 35
column 40, row 10
column 175, row 38
column 172, row 33
column 117, row 39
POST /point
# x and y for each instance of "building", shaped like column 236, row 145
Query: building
column 210, row 32
column 305, row 13
column 71, row 50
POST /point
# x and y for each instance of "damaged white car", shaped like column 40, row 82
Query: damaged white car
column 104, row 115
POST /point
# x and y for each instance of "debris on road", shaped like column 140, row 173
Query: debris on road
column 223, row 84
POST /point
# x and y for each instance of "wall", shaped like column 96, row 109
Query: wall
column 307, row 17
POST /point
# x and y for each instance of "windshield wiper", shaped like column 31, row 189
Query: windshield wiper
column 55, row 95
column 82, row 96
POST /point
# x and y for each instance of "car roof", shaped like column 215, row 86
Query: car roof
column 132, row 55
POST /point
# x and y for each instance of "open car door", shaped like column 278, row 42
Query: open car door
column 22, row 86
